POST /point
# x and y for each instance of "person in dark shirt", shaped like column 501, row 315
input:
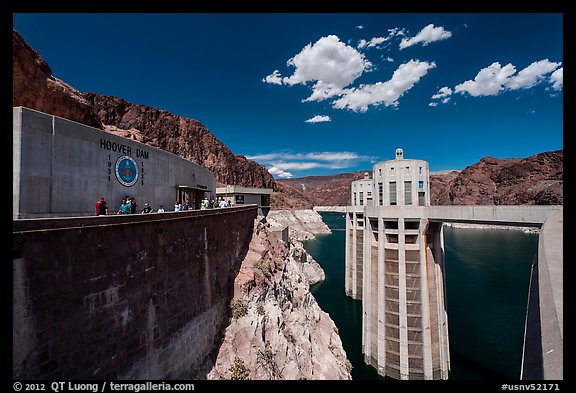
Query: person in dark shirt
column 147, row 208
column 102, row 208
column 133, row 205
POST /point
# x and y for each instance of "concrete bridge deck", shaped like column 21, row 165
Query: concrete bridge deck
column 529, row 215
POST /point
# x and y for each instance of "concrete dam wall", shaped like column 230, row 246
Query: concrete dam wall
column 124, row 297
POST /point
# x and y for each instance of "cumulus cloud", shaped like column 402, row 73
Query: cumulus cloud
column 443, row 92
column 532, row 75
column 281, row 162
column 427, row 35
column 280, row 173
column 374, row 42
column 557, row 79
column 387, row 93
column 443, row 95
column 488, row 82
column 274, row 78
column 495, row 79
column 328, row 63
column 318, row 119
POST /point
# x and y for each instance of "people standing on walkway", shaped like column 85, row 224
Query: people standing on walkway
column 133, row 205
column 177, row 206
column 147, row 208
column 124, row 207
column 186, row 205
column 103, row 208
column 160, row 209
column 97, row 207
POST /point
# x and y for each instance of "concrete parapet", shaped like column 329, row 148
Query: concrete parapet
column 141, row 296
column 544, row 332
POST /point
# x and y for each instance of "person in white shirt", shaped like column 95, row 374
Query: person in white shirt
column 161, row 209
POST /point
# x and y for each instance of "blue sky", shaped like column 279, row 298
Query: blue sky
column 312, row 94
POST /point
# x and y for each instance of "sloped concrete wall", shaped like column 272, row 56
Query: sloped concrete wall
column 124, row 297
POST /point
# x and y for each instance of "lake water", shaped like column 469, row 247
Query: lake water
column 487, row 279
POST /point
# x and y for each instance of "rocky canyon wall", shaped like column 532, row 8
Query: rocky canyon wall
column 278, row 331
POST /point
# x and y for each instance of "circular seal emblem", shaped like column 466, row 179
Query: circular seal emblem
column 126, row 171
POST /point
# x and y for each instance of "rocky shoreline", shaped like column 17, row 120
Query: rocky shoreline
column 303, row 224
column 524, row 229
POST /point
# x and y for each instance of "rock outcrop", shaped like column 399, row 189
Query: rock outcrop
column 328, row 190
column 277, row 330
column 534, row 180
column 303, row 224
column 287, row 197
column 34, row 87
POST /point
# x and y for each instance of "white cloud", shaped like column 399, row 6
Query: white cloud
column 495, row 79
column 427, row 35
column 319, row 119
column 360, row 27
column 282, row 162
column 488, row 82
column 396, row 31
column 280, row 173
column 387, row 93
column 376, row 41
column 318, row 156
column 443, row 92
column 557, row 79
column 330, row 64
column 531, row 75
column 389, row 59
column 274, row 78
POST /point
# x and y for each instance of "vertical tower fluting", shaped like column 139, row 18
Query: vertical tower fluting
column 401, row 284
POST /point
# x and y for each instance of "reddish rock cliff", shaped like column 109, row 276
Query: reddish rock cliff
column 34, row 87
column 534, row 180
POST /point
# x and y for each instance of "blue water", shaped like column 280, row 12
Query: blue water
column 487, row 279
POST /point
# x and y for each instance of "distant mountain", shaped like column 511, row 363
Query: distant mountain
column 326, row 190
column 534, row 180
